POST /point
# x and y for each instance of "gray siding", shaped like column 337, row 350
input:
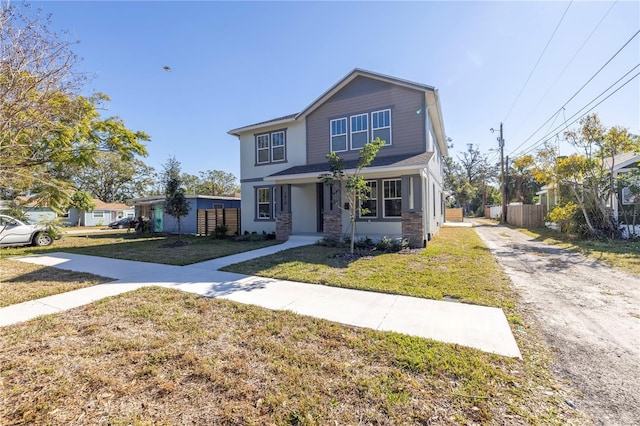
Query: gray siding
column 368, row 95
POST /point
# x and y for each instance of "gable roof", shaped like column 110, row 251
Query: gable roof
column 622, row 160
column 432, row 99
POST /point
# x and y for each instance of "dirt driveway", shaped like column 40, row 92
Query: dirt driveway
column 590, row 315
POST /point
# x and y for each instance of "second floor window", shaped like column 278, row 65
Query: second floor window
column 339, row 135
column 359, row 130
column 381, row 125
column 271, row 147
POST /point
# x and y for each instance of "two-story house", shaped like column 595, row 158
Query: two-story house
column 282, row 159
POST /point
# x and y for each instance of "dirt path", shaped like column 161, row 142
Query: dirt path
column 590, row 315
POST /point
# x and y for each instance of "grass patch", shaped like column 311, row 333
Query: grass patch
column 21, row 282
column 159, row 356
column 455, row 264
column 120, row 245
column 623, row 254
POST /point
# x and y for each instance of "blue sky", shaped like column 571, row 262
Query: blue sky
column 237, row 63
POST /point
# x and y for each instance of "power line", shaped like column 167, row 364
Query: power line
column 538, row 61
column 545, row 137
column 577, row 92
column 566, row 66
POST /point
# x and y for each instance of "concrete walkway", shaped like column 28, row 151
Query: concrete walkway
column 479, row 327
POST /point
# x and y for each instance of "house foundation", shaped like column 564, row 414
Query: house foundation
column 413, row 229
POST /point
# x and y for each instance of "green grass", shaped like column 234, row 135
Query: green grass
column 119, row 245
column 455, row 264
column 159, row 356
column 623, row 254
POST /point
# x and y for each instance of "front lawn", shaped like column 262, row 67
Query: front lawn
column 455, row 264
column 21, row 282
column 159, row 356
column 143, row 248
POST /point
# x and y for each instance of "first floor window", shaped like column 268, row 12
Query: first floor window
column 370, row 206
column 98, row 214
column 264, row 203
column 392, row 197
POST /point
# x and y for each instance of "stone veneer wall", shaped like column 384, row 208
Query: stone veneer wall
column 283, row 226
column 332, row 225
column 412, row 229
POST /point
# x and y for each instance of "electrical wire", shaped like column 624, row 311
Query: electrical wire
column 579, row 115
column 566, row 67
column 577, row 92
column 538, row 61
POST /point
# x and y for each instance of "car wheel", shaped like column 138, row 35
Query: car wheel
column 120, row 226
column 42, row 239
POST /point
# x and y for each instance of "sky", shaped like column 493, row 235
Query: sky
column 237, row 63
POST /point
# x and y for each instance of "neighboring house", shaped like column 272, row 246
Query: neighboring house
column 281, row 160
column 102, row 214
column 34, row 213
column 153, row 208
column 624, row 201
column 548, row 196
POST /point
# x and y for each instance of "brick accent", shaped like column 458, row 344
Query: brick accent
column 283, row 226
column 412, row 229
column 332, row 225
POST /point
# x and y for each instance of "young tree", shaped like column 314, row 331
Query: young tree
column 175, row 204
column 356, row 188
column 45, row 124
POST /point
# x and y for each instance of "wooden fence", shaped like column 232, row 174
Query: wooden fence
column 526, row 215
column 208, row 219
column 453, row 215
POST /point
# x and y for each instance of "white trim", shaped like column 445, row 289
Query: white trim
column 352, row 132
column 284, row 146
column 377, row 191
column 346, row 134
column 373, row 128
column 268, row 148
column 384, row 211
column 313, row 177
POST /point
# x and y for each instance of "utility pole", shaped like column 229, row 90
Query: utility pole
column 503, row 182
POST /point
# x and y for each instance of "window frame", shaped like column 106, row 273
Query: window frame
column 283, row 146
column 269, row 203
column 396, row 197
column 97, row 214
column 345, row 134
column 352, row 132
column 390, row 126
column 267, row 148
column 373, row 196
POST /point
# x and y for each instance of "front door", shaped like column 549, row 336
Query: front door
column 320, row 206
column 157, row 225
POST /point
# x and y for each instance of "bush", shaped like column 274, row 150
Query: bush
column 564, row 216
column 220, row 231
column 254, row 236
column 388, row 245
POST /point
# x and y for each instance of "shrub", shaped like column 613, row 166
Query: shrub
column 564, row 216
column 220, row 231
column 388, row 245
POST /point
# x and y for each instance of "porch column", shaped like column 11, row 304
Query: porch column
column 283, row 212
column 412, row 211
column 332, row 215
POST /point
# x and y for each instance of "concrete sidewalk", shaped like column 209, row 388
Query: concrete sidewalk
column 479, row 327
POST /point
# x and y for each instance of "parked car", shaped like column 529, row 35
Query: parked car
column 125, row 222
column 14, row 232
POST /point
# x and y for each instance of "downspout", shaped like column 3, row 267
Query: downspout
column 424, row 173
